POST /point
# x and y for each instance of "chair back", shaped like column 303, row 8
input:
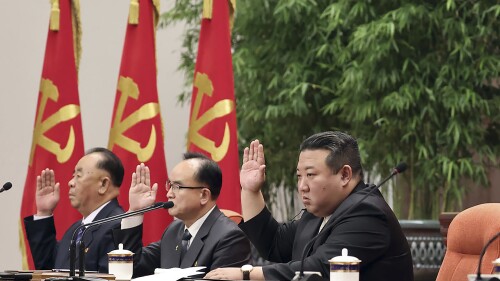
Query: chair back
column 234, row 216
column 468, row 233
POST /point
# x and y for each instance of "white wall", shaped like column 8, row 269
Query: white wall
column 23, row 32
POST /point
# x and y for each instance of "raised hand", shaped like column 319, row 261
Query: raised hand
column 47, row 193
column 253, row 169
column 141, row 194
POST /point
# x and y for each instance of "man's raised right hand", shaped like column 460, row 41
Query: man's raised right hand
column 141, row 194
column 47, row 193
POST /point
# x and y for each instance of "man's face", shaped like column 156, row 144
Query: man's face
column 85, row 184
column 319, row 189
column 187, row 202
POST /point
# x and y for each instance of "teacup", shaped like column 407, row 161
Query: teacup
column 121, row 263
column 344, row 268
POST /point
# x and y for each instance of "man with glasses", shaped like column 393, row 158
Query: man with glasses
column 92, row 191
column 201, row 236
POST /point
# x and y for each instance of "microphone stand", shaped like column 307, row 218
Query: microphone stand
column 81, row 243
column 481, row 256
column 401, row 167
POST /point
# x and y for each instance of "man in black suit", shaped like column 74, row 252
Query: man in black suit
column 93, row 191
column 329, row 178
column 201, row 236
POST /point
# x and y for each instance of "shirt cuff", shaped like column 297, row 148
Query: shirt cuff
column 132, row 221
column 35, row 217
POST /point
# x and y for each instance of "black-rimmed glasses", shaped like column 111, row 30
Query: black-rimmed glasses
column 176, row 187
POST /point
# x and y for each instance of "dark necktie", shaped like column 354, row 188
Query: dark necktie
column 78, row 238
column 185, row 243
column 79, row 234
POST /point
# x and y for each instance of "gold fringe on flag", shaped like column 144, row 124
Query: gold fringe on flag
column 232, row 10
column 133, row 14
column 22, row 246
column 156, row 3
column 77, row 33
column 54, row 15
column 207, row 9
column 156, row 19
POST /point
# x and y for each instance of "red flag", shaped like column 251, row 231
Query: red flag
column 212, row 125
column 57, row 135
column 136, row 130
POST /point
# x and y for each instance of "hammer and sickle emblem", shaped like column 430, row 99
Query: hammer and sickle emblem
column 222, row 108
column 65, row 113
column 129, row 88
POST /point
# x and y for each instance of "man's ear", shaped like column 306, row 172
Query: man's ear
column 205, row 196
column 345, row 174
column 105, row 184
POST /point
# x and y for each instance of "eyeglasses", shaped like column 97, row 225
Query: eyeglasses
column 176, row 187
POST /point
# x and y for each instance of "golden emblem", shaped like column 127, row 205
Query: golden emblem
column 65, row 113
column 129, row 88
column 222, row 108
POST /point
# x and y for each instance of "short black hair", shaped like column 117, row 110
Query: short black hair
column 110, row 163
column 343, row 150
column 208, row 173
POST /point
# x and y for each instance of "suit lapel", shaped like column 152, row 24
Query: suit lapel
column 176, row 259
column 65, row 244
column 198, row 242
column 308, row 229
column 346, row 204
column 341, row 209
column 89, row 235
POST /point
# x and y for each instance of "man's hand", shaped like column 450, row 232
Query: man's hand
column 47, row 193
column 253, row 169
column 226, row 273
column 141, row 194
column 234, row 273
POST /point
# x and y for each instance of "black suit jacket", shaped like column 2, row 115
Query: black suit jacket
column 48, row 253
column 218, row 243
column 370, row 232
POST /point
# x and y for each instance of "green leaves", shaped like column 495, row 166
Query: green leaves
column 412, row 80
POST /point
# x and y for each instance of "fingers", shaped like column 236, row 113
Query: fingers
column 245, row 154
column 38, row 183
column 51, row 178
column 133, row 183
column 45, row 179
column 260, row 154
column 253, row 151
column 147, row 176
column 154, row 189
column 262, row 169
column 142, row 174
column 56, row 188
column 211, row 275
column 141, row 181
column 136, row 176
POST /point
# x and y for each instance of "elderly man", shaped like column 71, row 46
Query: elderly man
column 92, row 191
column 329, row 179
column 202, row 235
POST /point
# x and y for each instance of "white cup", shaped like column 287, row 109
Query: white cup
column 121, row 263
column 344, row 268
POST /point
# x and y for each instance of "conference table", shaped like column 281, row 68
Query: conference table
column 39, row 275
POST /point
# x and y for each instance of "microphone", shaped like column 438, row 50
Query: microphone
column 401, row 167
column 481, row 256
column 6, row 186
column 72, row 249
